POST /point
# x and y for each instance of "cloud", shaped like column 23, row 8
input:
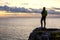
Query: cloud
column 56, row 8
column 19, row 9
column 13, row 9
column 24, row 3
column 6, row 3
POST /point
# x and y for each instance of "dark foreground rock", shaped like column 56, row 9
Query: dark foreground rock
column 44, row 34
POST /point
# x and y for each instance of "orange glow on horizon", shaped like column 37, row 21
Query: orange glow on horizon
column 6, row 14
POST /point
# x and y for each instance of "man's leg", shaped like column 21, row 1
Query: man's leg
column 42, row 22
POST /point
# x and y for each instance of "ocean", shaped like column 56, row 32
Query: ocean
column 20, row 28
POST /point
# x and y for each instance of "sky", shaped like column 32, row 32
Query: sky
column 31, row 3
column 37, row 4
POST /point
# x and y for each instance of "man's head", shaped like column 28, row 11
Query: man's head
column 44, row 8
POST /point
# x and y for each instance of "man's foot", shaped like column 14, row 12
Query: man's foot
column 41, row 26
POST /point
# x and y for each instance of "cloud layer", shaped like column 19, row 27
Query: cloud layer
column 26, row 10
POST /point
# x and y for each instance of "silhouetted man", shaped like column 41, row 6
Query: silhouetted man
column 43, row 18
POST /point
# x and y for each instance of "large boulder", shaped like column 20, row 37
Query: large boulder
column 39, row 34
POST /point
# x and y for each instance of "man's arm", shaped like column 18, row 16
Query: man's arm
column 46, row 13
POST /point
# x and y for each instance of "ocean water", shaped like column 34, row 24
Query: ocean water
column 20, row 28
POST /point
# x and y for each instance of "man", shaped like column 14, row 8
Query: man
column 43, row 18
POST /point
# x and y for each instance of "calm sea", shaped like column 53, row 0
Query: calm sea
column 20, row 28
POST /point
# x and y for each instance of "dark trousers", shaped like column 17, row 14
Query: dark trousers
column 43, row 19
